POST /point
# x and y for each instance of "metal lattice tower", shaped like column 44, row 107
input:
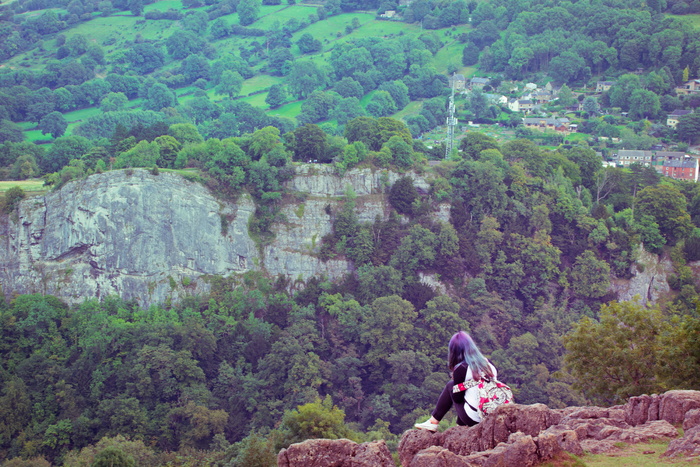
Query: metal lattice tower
column 451, row 122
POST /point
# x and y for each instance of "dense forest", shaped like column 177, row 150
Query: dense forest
column 535, row 236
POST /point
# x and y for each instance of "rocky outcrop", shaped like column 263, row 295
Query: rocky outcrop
column 153, row 238
column 530, row 434
column 142, row 236
column 335, row 453
column 649, row 279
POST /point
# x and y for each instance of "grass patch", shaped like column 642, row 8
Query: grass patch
column 82, row 114
column 281, row 13
column 693, row 20
column 413, row 108
column 327, row 31
column 259, row 83
column 632, row 455
column 290, row 110
column 35, row 136
column 451, row 54
column 163, row 5
column 29, row 186
column 257, row 100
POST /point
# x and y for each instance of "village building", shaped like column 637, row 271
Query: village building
column 459, row 82
column 602, row 86
column 672, row 119
column 561, row 125
column 689, row 87
column 478, row 83
column 685, row 169
column 627, row 157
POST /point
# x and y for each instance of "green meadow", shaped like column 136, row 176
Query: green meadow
column 30, row 186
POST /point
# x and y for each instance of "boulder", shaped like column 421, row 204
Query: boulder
column 436, row 456
column 530, row 434
column 520, row 450
column 692, row 419
column 554, row 440
column 335, row 453
column 595, row 446
column 688, row 445
column 641, row 409
column 675, row 404
column 414, row 441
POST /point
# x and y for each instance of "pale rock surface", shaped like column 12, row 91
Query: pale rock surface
column 137, row 235
column 649, row 282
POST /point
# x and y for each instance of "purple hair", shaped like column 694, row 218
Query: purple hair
column 462, row 349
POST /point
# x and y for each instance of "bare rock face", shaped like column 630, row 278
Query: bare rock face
column 640, row 409
column 649, row 281
column 335, row 453
column 131, row 233
column 154, row 238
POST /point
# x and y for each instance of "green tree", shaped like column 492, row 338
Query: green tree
column 307, row 44
column 230, row 83
column 346, row 110
column 470, row 54
column 113, row 101
column 311, row 144
column 276, row 96
column 667, row 205
column 319, row 419
column 644, row 104
column 248, row 11
column 688, row 128
column 381, row 104
column 590, row 277
column 565, row 97
column 402, row 195
column 53, row 123
column 304, row 78
column 616, row 357
column 389, row 323
column 113, row 457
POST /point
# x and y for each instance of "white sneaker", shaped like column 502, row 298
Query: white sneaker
column 426, row 425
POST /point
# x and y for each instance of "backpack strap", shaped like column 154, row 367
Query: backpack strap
column 459, row 387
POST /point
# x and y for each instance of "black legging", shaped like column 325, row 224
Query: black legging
column 445, row 403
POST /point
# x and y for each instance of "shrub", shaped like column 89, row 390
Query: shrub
column 12, row 198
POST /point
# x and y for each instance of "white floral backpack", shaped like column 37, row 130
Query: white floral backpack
column 492, row 394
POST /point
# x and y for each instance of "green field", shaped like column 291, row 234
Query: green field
column 259, row 83
column 693, row 20
column 118, row 31
column 290, row 110
column 276, row 15
column 30, row 186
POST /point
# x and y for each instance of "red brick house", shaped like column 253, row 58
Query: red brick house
column 686, row 169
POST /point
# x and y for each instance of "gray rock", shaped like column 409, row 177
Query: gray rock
column 142, row 236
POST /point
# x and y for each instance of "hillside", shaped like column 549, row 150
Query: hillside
column 250, row 233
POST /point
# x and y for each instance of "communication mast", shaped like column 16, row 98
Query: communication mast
column 451, row 121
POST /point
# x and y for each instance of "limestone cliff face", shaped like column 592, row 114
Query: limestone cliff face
column 152, row 238
column 140, row 236
column 157, row 237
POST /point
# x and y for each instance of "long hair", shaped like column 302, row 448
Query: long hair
column 462, row 349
